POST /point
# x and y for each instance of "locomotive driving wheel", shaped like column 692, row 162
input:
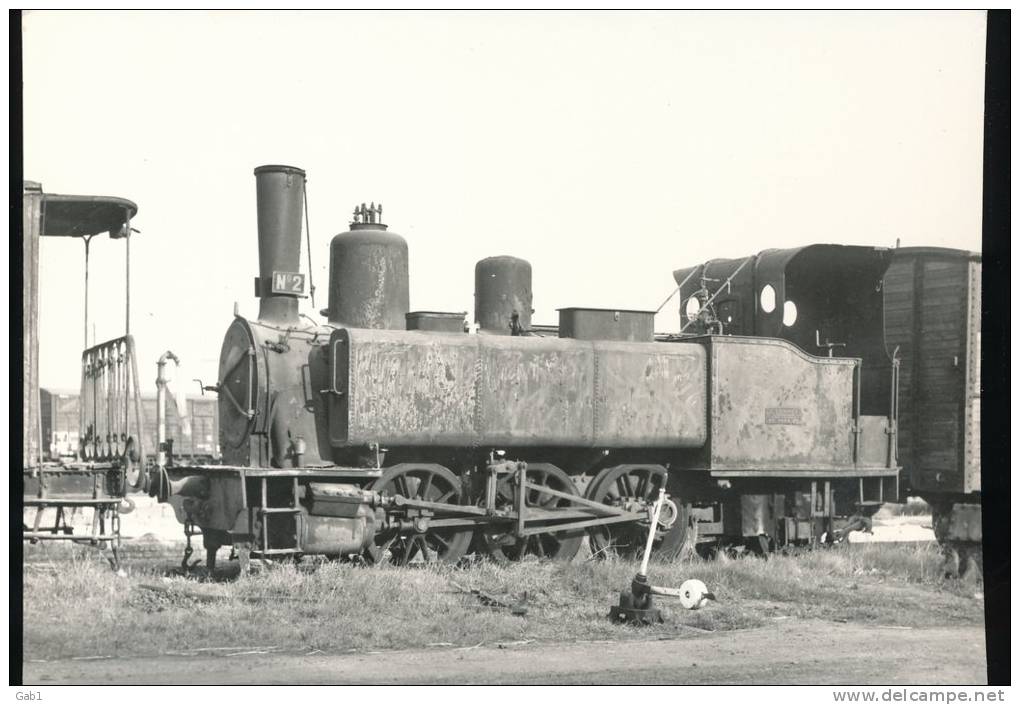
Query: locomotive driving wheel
column 432, row 483
column 557, row 545
column 635, row 488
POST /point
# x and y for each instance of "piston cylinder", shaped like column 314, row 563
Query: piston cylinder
column 502, row 294
column 279, row 192
column 368, row 279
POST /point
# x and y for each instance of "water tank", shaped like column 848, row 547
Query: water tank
column 502, row 288
column 368, row 281
column 437, row 321
column 607, row 324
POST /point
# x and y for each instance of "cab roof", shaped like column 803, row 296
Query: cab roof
column 83, row 216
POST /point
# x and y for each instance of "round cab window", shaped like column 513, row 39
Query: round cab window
column 692, row 308
column 768, row 299
column 789, row 313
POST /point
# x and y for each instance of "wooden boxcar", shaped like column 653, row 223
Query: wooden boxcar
column 933, row 315
column 200, row 442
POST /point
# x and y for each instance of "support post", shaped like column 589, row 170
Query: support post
column 87, row 240
column 161, row 386
column 127, row 277
column 522, row 474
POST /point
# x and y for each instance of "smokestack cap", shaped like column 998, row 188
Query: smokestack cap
column 278, row 167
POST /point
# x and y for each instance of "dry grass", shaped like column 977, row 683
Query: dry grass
column 78, row 607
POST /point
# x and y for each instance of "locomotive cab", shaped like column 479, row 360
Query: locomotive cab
column 826, row 299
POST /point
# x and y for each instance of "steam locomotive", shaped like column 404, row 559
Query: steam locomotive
column 399, row 436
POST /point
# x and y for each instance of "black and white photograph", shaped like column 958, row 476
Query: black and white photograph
column 511, row 348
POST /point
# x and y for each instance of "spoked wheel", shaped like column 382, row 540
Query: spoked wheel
column 432, row 483
column 557, row 545
column 635, row 488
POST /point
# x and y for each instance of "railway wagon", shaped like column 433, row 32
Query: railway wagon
column 356, row 436
column 59, row 424
column 933, row 318
column 198, row 439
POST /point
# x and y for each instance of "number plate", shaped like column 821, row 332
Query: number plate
column 783, row 416
column 288, row 283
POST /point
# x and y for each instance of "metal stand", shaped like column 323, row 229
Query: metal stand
column 636, row 606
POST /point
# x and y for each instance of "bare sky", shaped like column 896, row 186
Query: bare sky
column 606, row 148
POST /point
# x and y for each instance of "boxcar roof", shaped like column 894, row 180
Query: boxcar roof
column 936, row 252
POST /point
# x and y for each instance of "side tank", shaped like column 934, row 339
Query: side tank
column 502, row 288
column 404, row 389
column 368, row 279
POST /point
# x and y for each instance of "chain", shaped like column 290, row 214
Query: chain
column 308, row 240
column 188, row 528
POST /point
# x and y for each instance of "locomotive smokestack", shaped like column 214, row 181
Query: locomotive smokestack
column 279, row 192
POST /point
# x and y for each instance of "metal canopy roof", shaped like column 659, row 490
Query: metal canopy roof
column 80, row 216
column 771, row 264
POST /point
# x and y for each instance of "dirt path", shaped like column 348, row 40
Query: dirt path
column 791, row 651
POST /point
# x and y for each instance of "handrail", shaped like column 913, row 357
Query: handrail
column 111, row 421
column 724, row 285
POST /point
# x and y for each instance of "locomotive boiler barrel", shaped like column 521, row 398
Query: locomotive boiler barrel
column 279, row 197
column 502, row 287
column 267, row 415
column 368, row 279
